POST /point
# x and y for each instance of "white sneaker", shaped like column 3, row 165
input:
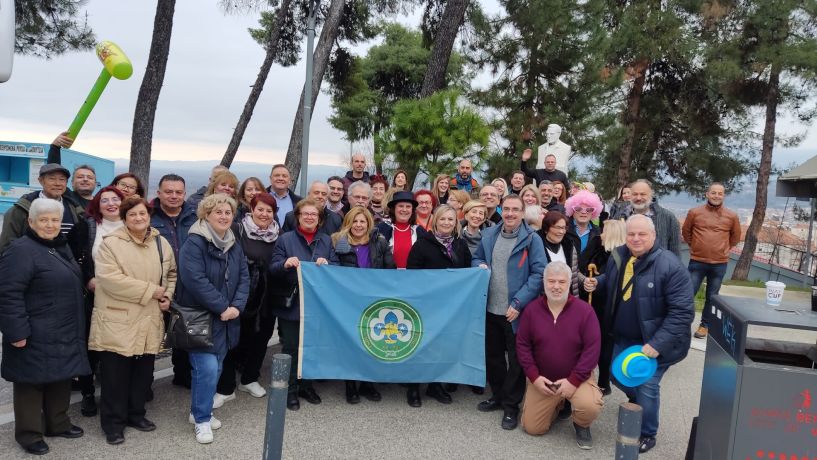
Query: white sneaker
column 204, row 435
column 219, row 399
column 254, row 389
column 214, row 422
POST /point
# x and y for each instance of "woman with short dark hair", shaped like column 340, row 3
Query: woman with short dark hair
column 129, row 184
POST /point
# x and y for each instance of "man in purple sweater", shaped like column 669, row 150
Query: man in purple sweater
column 558, row 345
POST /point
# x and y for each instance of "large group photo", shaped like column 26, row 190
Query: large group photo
column 573, row 229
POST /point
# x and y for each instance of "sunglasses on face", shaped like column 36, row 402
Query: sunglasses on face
column 581, row 209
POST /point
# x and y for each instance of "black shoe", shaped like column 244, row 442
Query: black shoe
column 489, row 405
column 75, row 385
column 115, row 438
column 352, row 396
column 292, row 401
column 149, row 395
column 70, row 433
column 413, row 397
column 37, row 448
column 450, row 387
column 88, row 406
column 583, row 437
column 180, row 382
column 566, row 411
column 435, row 390
column 368, row 391
column 477, row 390
column 647, row 443
column 510, row 421
column 142, row 425
column 309, row 395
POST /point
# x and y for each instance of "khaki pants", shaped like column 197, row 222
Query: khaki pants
column 539, row 410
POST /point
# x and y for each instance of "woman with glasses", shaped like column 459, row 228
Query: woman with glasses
column 561, row 245
column 426, row 202
column 128, row 184
column 583, row 207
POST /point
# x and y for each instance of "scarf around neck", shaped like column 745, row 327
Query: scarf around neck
column 447, row 242
column 254, row 232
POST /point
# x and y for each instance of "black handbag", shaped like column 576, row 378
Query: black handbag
column 191, row 327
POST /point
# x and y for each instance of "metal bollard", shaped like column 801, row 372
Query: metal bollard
column 629, row 431
column 276, row 407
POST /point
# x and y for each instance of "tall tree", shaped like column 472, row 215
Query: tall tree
column 444, row 38
column 145, row 113
column 270, row 36
column 768, row 58
column 46, row 28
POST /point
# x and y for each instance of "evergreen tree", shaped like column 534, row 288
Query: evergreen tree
column 46, row 28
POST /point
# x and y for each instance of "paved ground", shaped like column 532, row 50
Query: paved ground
column 389, row 428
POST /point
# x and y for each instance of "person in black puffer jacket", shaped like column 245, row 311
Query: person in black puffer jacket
column 438, row 249
column 358, row 244
column 42, row 319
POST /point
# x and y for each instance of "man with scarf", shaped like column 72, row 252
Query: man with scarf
column 464, row 180
column 710, row 231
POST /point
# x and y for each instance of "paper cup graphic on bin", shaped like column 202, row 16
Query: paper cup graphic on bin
column 774, row 292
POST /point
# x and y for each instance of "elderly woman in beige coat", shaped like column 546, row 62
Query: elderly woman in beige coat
column 135, row 279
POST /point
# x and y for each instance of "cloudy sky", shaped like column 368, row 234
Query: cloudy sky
column 212, row 63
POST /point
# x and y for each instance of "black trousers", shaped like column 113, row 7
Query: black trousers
column 249, row 355
column 506, row 379
column 125, row 382
column 289, row 332
column 181, row 367
column 38, row 403
column 86, row 382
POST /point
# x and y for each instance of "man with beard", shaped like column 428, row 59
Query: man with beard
column 667, row 227
column 711, row 231
column 558, row 345
column 337, row 190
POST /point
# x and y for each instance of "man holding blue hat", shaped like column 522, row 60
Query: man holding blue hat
column 649, row 314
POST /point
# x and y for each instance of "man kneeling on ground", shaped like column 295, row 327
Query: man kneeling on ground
column 558, row 345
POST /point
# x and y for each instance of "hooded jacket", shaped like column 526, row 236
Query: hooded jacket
column 213, row 280
column 126, row 318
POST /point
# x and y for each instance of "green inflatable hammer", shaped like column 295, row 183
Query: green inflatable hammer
column 115, row 64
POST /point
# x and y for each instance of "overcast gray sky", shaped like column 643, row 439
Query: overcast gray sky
column 212, row 63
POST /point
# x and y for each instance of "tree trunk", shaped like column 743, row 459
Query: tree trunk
column 434, row 79
column 741, row 271
column 272, row 52
column 145, row 113
column 329, row 34
column 631, row 117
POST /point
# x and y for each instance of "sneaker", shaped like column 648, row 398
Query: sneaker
column 647, row 443
column 253, row 389
column 219, row 399
column 204, row 435
column 583, row 437
column 701, row 332
column 214, row 422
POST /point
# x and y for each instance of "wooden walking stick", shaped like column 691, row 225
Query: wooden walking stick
column 591, row 271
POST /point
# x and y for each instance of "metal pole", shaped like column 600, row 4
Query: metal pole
column 307, row 113
column 276, row 407
column 808, row 242
column 629, row 431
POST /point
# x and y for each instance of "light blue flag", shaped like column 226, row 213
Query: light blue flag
column 406, row 326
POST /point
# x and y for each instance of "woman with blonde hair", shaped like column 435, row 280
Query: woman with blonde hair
column 502, row 186
column 597, row 253
column 225, row 182
column 473, row 223
column 358, row 244
column 457, row 200
column 441, row 188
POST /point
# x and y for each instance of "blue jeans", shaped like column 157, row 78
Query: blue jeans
column 647, row 395
column 205, row 371
column 714, row 274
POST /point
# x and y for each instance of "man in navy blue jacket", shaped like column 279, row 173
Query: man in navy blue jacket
column 649, row 303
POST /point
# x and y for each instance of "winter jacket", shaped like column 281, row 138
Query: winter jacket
column 293, row 244
column 175, row 234
column 570, row 246
column 332, row 222
column 379, row 252
column 663, row 297
column 349, row 179
column 196, row 198
column 667, row 228
column 42, row 303
column 711, row 232
column 525, row 266
column 15, row 222
column 258, row 254
column 126, row 318
column 429, row 253
column 213, row 280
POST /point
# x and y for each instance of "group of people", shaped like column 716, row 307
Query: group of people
column 89, row 279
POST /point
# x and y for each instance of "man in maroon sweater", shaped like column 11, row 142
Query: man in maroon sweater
column 558, row 344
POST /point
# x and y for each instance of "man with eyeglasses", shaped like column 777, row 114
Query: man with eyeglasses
column 667, row 227
column 319, row 193
column 516, row 257
column 489, row 195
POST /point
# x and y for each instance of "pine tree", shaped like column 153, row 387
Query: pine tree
column 46, row 28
